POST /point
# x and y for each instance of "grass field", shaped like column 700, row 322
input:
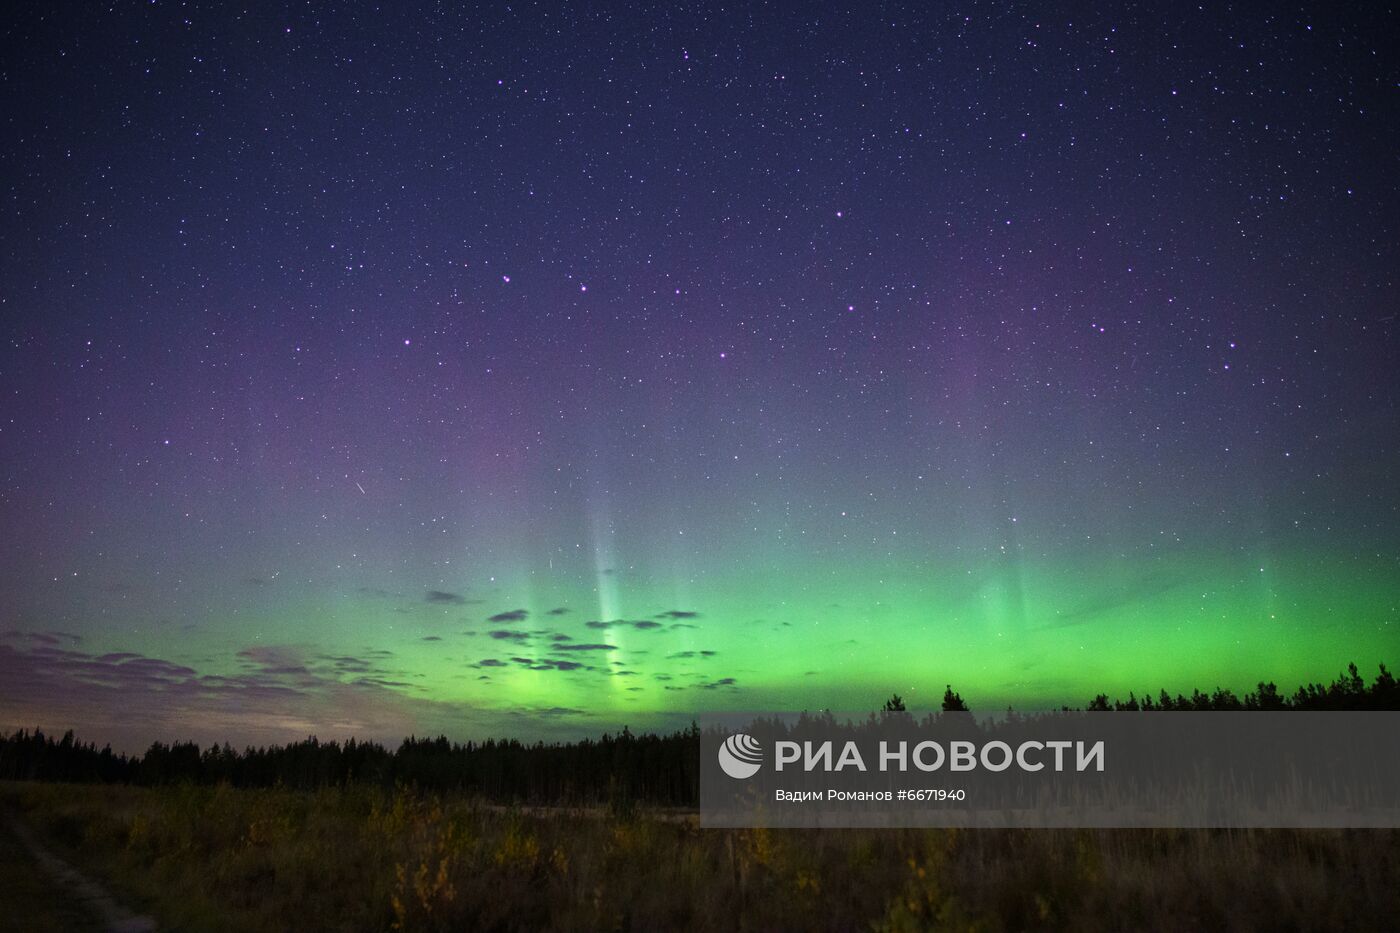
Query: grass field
column 218, row 858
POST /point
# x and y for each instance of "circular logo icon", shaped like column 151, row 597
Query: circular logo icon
column 740, row 756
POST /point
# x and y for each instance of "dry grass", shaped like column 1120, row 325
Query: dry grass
column 202, row 858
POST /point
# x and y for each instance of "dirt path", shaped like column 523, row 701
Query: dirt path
column 63, row 898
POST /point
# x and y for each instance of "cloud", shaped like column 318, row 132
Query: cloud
column 378, row 593
column 41, row 638
column 642, row 624
column 489, row 662
column 550, row 664
column 1132, row 592
column 717, row 684
column 679, row 614
column 564, row 665
column 560, row 636
column 276, row 694
column 432, row 638
column 514, row 615
column 589, row 647
column 380, row 682
column 558, row 611
column 507, row 635
column 444, row 598
column 347, row 664
column 691, row 654
column 271, row 697
column 275, row 659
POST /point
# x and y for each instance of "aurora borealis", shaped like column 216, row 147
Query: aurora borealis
column 536, row 369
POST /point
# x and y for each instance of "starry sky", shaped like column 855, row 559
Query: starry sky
column 535, row 368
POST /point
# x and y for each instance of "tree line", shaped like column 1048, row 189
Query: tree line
column 619, row 769
column 1348, row 692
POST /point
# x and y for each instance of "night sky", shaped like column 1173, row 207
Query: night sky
column 534, row 369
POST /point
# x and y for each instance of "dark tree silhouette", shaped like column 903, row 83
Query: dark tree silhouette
column 1348, row 692
column 621, row 770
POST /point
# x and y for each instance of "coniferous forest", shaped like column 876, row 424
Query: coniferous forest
column 658, row 770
